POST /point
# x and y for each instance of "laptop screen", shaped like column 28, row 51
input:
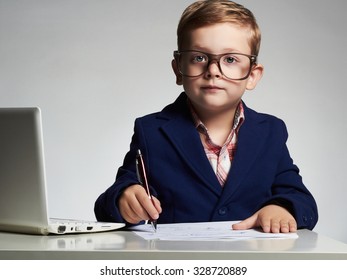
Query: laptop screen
column 23, row 199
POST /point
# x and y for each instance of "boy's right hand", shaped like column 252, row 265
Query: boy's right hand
column 135, row 205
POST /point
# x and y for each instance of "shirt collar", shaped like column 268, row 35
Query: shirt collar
column 238, row 118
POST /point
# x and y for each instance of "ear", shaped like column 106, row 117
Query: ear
column 255, row 76
column 177, row 73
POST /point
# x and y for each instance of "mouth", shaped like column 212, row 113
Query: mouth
column 211, row 88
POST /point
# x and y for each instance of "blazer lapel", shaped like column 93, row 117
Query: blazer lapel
column 185, row 138
column 251, row 140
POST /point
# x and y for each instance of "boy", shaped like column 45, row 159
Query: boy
column 208, row 156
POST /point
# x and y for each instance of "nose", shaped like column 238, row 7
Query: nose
column 213, row 70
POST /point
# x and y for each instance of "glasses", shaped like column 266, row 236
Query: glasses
column 233, row 66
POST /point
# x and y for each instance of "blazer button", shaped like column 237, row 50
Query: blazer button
column 222, row 211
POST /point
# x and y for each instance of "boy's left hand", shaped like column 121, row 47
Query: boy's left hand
column 271, row 218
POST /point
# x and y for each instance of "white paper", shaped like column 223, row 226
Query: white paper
column 203, row 231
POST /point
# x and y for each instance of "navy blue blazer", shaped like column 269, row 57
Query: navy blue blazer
column 182, row 178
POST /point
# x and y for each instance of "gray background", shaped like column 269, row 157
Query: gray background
column 93, row 66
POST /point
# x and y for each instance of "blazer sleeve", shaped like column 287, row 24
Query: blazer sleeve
column 106, row 206
column 290, row 192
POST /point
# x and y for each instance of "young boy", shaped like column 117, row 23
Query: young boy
column 208, row 156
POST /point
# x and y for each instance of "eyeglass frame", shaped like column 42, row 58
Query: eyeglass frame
column 216, row 57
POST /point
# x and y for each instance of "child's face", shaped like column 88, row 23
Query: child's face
column 212, row 91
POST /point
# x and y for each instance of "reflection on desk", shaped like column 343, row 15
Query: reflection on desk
column 127, row 245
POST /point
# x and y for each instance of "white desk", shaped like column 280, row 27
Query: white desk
column 128, row 246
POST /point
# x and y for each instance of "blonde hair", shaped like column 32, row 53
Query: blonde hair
column 208, row 12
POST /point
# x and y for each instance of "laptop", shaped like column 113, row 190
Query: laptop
column 23, row 191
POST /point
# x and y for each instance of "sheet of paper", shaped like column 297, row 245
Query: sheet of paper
column 202, row 231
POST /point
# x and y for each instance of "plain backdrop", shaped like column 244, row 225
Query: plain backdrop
column 94, row 65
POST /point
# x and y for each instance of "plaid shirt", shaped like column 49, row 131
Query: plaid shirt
column 220, row 157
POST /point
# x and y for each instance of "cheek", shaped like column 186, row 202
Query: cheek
column 190, row 85
column 238, row 87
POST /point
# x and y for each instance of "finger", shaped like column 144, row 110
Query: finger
column 147, row 206
column 157, row 204
column 284, row 227
column 265, row 224
column 128, row 214
column 288, row 226
column 248, row 223
column 293, row 226
column 274, row 226
column 129, row 205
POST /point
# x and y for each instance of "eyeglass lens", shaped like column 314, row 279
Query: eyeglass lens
column 232, row 65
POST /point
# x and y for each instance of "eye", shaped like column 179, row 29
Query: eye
column 199, row 58
column 229, row 59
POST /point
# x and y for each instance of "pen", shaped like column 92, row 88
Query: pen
column 142, row 177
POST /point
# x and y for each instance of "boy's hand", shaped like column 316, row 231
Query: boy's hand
column 271, row 218
column 135, row 205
